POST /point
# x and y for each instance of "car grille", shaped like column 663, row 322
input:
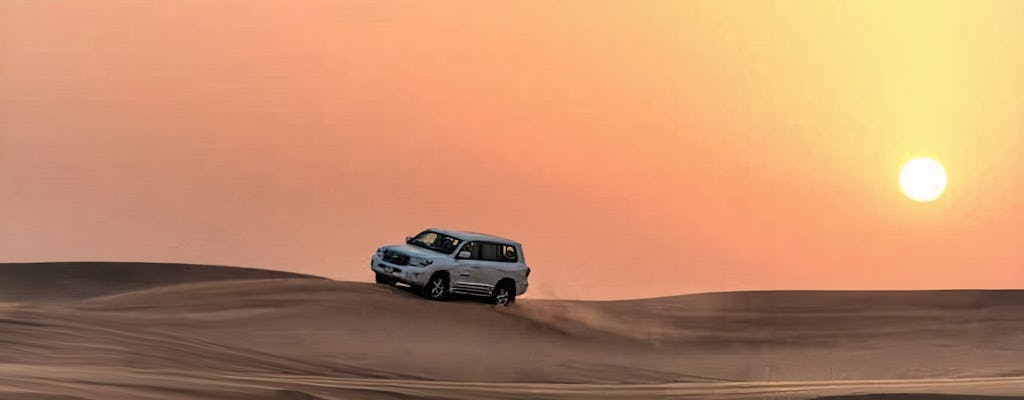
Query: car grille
column 395, row 258
column 389, row 268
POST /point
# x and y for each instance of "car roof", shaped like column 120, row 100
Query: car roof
column 474, row 236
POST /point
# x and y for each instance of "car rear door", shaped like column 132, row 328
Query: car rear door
column 497, row 260
column 469, row 273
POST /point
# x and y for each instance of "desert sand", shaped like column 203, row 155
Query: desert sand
column 169, row 331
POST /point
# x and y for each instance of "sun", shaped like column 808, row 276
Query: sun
column 923, row 179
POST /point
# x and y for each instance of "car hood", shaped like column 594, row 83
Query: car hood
column 415, row 251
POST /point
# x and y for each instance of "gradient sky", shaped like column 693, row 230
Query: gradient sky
column 636, row 148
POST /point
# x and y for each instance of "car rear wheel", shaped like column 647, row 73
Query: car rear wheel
column 437, row 287
column 384, row 280
column 503, row 295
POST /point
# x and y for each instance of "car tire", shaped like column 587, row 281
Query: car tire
column 504, row 294
column 437, row 287
column 385, row 280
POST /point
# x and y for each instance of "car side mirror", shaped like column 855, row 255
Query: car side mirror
column 408, row 239
column 464, row 254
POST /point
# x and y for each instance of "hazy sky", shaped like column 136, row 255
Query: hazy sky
column 635, row 148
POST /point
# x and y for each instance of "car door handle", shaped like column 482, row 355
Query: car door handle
column 464, row 274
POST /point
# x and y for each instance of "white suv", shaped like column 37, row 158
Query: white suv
column 440, row 262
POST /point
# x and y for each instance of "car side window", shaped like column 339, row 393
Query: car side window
column 509, row 253
column 490, row 252
column 474, row 250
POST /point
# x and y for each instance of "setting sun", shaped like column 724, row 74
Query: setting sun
column 923, row 179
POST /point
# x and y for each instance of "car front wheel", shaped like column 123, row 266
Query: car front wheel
column 437, row 287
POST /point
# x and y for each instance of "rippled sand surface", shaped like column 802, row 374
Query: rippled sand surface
column 155, row 331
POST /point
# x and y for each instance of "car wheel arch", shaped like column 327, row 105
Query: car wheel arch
column 440, row 272
column 511, row 283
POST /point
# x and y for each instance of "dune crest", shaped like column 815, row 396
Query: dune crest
column 64, row 281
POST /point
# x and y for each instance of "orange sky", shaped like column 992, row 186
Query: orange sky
column 636, row 148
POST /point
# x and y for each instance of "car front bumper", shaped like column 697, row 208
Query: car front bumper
column 407, row 274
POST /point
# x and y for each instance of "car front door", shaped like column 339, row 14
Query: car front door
column 470, row 273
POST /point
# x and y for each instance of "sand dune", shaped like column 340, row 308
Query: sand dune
column 50, row 282
column 191, row 332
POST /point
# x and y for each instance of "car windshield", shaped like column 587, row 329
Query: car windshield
column 435, row 241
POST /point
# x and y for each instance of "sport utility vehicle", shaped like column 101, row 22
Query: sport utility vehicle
column 440, row 262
